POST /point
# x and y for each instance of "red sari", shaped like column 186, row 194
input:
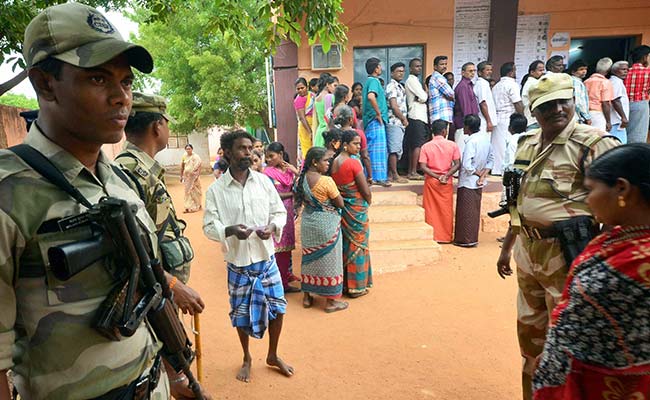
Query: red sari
column 598, row 343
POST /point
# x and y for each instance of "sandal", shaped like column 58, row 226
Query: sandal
column 291, row 289
column 338, row 306
column 416, row 177
column 383, row 183
column 308, row 301
column 358, row 294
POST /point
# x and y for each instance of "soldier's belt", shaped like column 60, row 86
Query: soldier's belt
column 538, row 233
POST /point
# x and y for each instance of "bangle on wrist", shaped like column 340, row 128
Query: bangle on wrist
column 172, row 283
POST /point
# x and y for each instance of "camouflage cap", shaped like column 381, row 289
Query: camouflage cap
column 150, row 103
column 552, row 86
column 79, row 35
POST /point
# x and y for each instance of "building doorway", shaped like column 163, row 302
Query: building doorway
column 590, row 50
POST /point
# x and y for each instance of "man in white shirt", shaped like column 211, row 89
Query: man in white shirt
column 242, row 211
column 417, row 131
column 535, row 71
column 621, row 103
column 507, row 101
column 477, row 161
column 483, row 92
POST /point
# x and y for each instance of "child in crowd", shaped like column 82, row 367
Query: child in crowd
column 477, row 163
column 257, row 164
column 516, row 128
column 219, row 167
column 439, row 160
column 283, row 175
column 345, row 121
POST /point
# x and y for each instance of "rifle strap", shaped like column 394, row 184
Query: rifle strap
column 41, row 164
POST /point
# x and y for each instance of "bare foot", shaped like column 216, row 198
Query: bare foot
column 285, row 369
column 244, row 374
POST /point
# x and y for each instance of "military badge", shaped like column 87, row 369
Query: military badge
column 99, row 23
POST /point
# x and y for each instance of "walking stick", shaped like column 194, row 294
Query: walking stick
column 197, row 342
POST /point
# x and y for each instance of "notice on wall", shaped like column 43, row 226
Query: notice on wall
column 471, row 30
column 531, row 42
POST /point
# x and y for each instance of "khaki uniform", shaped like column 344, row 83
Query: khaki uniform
column 46, row 336
column 551, row 190
column 151, row 177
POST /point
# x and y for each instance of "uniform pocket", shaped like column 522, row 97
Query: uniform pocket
column 555, row 183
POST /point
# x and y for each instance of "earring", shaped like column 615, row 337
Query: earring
column 621, row 202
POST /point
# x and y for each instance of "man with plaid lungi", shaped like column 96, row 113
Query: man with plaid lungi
column 375, row 117
column 243, row 211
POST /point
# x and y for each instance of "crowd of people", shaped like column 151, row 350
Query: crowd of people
column 583, row 295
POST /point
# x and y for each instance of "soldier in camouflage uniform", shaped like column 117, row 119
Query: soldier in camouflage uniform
column 80, row 68
column 147, row 133
column 553, row 158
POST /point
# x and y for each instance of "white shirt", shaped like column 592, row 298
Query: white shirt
column 506, row 94
column 511, row 150
column 256, row 204
column 416, row 99
column 524, row 99
column 484, row 94
column 619, row 93
column 477, row 155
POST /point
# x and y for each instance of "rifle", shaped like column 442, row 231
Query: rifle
column 511, row 183
column 145, row 294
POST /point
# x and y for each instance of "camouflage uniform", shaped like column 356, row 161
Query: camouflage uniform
column 151, row 177
column 46, row 336
column 541, row 267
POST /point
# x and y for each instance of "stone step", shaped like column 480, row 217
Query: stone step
column 380, row 214
column 393, row 256
column 399, row 231
column 394, row 198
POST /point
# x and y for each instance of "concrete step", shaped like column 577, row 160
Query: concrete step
column 393, row 256
column 394, row 198
column 399, row 231
column 380, row 214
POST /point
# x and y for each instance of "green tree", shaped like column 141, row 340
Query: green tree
column 279, row 19
column 209, row 78
column 18, row 100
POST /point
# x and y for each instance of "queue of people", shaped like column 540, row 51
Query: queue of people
column 583, row 294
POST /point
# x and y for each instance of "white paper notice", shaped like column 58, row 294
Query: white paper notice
column 531, row 42
column 471, row 30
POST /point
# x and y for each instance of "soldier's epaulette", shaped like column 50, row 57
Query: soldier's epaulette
column 141, row 171
column 585, row 135
column 525, row 135
column 11, row 164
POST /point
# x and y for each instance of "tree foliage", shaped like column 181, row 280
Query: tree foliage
column 280, row 19
column 18, row 100
column 209, row 78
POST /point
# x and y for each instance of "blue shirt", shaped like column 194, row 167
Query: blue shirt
column 374, row 86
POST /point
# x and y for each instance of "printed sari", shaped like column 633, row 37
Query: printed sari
column 322, row 261
column 283, row 182
column 356, row 234
column 304, row 137
column 598, row 343
column 192, row 182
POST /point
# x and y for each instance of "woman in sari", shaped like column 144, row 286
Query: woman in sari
column 283, row 174
column 327, row 84
column 348, row 175
column 344, row 121
column 320, row 230
column 304, row 106
column 598, row 343
column 190, row 176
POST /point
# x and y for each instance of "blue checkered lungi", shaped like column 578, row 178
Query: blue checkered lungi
column 377, row 150
column 256, row 296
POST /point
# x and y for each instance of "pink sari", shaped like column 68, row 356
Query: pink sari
column 283, row 182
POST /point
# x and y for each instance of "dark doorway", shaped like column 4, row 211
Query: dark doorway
column 590, row 50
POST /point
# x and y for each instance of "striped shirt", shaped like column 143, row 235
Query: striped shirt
column 582, row 99
column 256, row 204
column 637, row 83
column 440, row 107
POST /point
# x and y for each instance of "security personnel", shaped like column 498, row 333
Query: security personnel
column 550, row 207
column 80, row 68
column 147, row 133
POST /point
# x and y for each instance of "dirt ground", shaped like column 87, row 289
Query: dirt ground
column 444, row 331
